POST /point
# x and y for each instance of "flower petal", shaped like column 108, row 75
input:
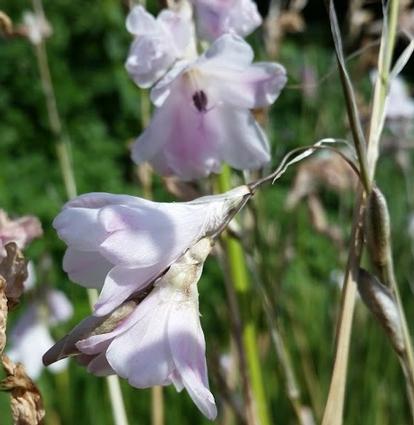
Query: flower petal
column 187, row 345
column 141, row 354
column 229, row 52
column 243, row 143
column 140, row 22
column 181, row 138
column 87, row 268
column 257, row 86
column 80, row 228
column 121, row 282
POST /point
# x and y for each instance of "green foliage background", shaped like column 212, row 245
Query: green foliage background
column 100, row 108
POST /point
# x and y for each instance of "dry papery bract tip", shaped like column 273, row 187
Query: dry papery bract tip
column 13, row 269
column 26, row 401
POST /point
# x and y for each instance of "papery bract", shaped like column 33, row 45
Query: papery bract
column 157, row 45
column 217, row 17
column 120, row 243
column 30, row 337
column 203, row 115
column 159, row 342
column 21, row 231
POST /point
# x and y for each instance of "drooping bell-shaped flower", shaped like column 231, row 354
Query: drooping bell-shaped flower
column 30, row 337
column 21, row 231
column 120, row 244
column 158, row 43
column 218, row 17
column 203, row 112
column 156, row 341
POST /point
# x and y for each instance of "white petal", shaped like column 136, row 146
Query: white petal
column 178, row 29
column 228, row 51
column 243, row 143
column 121, row 282
column 187, row 346
column 87, row 268
column 162, row 89
column 140, row 22
column 256, row 86
column 80, row 228
column 101, row 199
column 141, row 354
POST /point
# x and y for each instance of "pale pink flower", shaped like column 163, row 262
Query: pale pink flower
column 203, row 115
column 157, row 45
column 217, row 17
column 30, row 337
column 156, row 342
column 21, row 231
column 400, row 104
column 120, row 243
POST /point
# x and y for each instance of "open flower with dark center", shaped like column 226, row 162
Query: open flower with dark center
column 203, row 112
column 157, row 340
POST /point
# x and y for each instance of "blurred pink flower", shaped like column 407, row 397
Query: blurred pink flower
column 217, row 17
column 30, row 337
column 157, row 45
column 157, row 342
column 120, row 243
column 400, row 104
column 21, row 231
column 203, row 115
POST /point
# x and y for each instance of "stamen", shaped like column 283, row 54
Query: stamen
column 200, row 100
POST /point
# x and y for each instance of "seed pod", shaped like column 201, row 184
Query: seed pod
column 380, row 301
column 378, row 233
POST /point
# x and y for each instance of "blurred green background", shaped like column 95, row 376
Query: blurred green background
column 101, row 112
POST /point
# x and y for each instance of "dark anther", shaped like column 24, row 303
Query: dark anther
column 200, row 100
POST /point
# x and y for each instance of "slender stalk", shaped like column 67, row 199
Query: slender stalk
column 333, row 414
column 240, row 278
column 62, row 144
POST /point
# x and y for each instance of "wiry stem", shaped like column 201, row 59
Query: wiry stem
column 333, row 414
column 63, row 153
column 240, row 279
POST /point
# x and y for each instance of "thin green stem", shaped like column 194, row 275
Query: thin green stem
column 240, row 279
